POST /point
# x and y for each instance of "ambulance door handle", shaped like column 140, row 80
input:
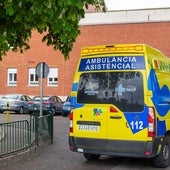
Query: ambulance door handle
column 116, row 117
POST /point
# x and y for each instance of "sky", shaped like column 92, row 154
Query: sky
column 136, row 4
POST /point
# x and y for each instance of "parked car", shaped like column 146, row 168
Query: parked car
column 66, row 107
column 49, row 104
column 15, row 102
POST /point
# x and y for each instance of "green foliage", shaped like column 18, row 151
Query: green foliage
column 58, row 19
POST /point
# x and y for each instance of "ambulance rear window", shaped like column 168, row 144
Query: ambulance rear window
column 122, row 89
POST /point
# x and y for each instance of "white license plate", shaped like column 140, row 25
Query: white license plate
column 92, row 128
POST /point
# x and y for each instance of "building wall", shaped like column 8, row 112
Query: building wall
column 155, row 34
column 127, row 16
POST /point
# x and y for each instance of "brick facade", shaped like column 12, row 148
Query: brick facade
column 154, row 34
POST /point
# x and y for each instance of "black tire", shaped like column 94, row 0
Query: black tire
column 54, row 111
column 21, row 110
column 64, row 114
column 91, row 157
column 163, row 159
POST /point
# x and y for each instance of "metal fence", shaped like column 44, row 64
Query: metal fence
column 43, row 129
column 21, row 135
column 14, row 137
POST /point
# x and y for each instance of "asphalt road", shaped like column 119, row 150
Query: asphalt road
column 59, row 157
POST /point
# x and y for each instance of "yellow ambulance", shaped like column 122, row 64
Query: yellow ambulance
column 121, row 103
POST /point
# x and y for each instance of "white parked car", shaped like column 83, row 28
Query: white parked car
column 15, row 102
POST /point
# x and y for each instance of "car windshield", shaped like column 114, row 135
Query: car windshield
column 46, row 97
column 123, row 89
column 68, row 99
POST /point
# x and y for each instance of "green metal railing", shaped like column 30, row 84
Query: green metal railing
column 14, row 137
column 44, row 129
column 21, row 135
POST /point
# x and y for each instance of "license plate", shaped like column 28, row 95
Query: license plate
column 92, row 128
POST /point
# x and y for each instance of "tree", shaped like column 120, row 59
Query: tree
column 58, row 20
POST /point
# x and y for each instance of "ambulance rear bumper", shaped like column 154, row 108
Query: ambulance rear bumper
column 140, row 149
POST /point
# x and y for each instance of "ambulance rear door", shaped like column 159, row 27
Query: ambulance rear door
column 90, row 116
column 127, row 117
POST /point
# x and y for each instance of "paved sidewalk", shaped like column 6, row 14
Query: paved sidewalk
column 13, row 117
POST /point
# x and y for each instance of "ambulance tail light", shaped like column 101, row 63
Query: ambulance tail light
column 113, row 109
column 151, row 122
column 71, row 121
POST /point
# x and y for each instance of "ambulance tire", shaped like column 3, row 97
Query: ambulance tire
column 91, row 157
column 163, row 159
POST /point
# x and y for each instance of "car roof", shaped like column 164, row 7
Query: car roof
column 12, row 96
column 44, row 97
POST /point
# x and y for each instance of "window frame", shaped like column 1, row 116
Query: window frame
column 12, row 77
column 34, row 82
column 52, row 78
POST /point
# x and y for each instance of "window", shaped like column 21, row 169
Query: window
column 52, row 79
column 12, row 77
column 33, row 78
column 122, row 89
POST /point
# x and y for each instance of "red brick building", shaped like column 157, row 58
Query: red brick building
column 17, row 71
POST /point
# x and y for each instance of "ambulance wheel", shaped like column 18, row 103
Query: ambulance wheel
column 163, row 159
column 91, row 157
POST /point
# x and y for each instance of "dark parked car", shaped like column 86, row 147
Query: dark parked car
column 51, row 104
column 15, row 102
column 66, row 107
